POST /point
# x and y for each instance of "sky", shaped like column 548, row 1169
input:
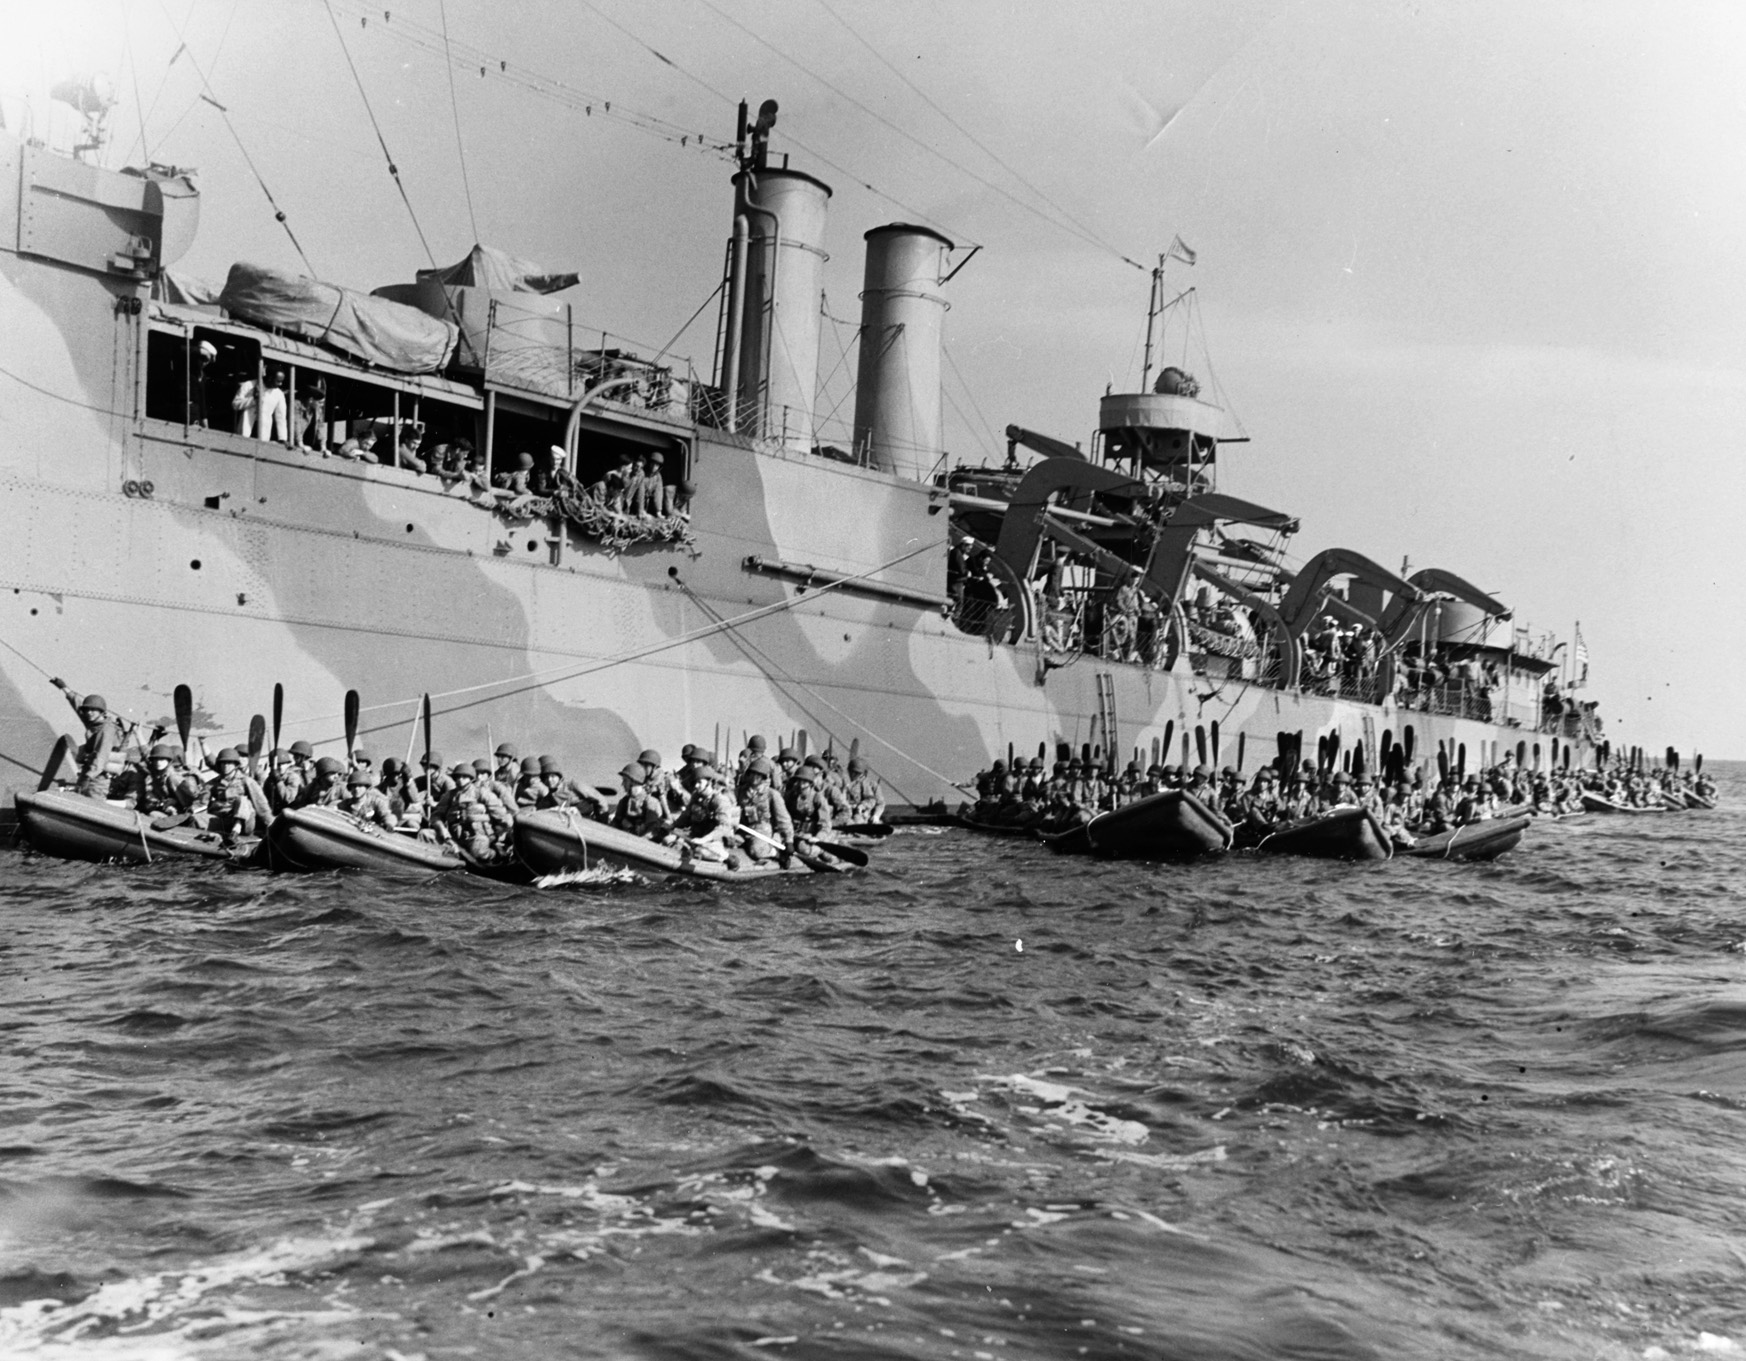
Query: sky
column 1470, row 275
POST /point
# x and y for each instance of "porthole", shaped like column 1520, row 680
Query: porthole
column 195, row 564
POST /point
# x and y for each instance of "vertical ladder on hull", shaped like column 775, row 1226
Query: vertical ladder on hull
column 1106, row 714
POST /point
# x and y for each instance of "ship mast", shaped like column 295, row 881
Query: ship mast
column 1154, row 304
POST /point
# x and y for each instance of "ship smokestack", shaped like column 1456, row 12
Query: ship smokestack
column 771, row 371
column 897, row 399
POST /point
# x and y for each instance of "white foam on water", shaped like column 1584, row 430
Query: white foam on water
column 1060, row 1103
column 139, row 1303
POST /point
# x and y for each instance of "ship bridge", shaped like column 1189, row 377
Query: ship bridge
column 1170, row 433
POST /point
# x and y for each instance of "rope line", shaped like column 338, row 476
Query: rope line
column 455, row 109
column 731, row 626
column 1066, row 219
column 393, row 169
column 212, row 99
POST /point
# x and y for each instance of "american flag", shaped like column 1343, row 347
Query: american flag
column 1579, row 656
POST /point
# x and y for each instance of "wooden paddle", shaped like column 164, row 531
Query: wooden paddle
column 1215, row 742
column 57, row 757
column 852, row 854
column 278, row 712
column 183, row 698
column 257, row 744
column 1242, row 741
column 814, row 863
column 427, row 746
column 351, row 723
column 1442, row 764
column 1200, row 743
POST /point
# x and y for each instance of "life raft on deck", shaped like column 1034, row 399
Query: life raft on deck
column 1344, row 834
column 1476, row 841
column 1173, row 825
column 327, row 839
column 550, row 841
column 61, row 823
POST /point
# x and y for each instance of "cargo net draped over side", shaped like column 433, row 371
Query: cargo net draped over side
column 616, row 512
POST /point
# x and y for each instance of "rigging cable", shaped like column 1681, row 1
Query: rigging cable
column 749, row 647
column 1065, row 217
column 816, row 154
column 210, row 98
column 393, row 170
column 455, row 109
column 1072, row 228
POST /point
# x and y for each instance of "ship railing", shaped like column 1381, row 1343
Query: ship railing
column 518, row 355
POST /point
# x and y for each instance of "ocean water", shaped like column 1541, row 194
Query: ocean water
column 980, row 1102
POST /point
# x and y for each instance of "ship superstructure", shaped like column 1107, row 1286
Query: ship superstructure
column 165, row 527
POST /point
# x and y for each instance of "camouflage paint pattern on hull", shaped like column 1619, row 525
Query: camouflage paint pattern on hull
column 252, row 564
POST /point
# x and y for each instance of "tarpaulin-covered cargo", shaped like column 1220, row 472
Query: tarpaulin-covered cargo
column 508, row 331
column 387, row 334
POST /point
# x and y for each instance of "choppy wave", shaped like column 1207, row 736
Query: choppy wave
column 982, row 1101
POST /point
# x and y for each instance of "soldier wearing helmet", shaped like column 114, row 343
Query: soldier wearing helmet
column 664, row 788
column 712, row 818
column 159, row 787
column 808, row 804
column 98, row 759
column 558, row 792
column 363, row 801
column 328, row 787
column 284, row 783
column 435, row 783
column 867, row 802
column 471, row 815
column 235, row 802
column 636, row 811
column 763, row 809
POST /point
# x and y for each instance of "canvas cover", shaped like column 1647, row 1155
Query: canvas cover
column 185, row 290
column 499, row 272
column 387, row 334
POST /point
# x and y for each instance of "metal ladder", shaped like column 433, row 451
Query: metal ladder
column 1106, row 716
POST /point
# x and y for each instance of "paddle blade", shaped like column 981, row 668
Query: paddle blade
column 57, row 757
column 184, row 702
column 852, row 855
column 427, row 743
column 1697, row 764
column 1242, row 741
column 855, row 748
column 1217, row 754
column 257, row 741
column 278, row 712
column 351, row 722
column 803, row 740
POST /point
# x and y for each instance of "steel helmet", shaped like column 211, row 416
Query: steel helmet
column 95, row 701
column 788, row 754
column 359, row 777
column 301, row 748
column 483, row 767
column 393, row 766
column 162, row 751
column 504, row 749
column 650, row 758
column 634, row 772
column 328, row 765
column 230, row 754
column 761, row 766
column 530, row 765
column 463, row 771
